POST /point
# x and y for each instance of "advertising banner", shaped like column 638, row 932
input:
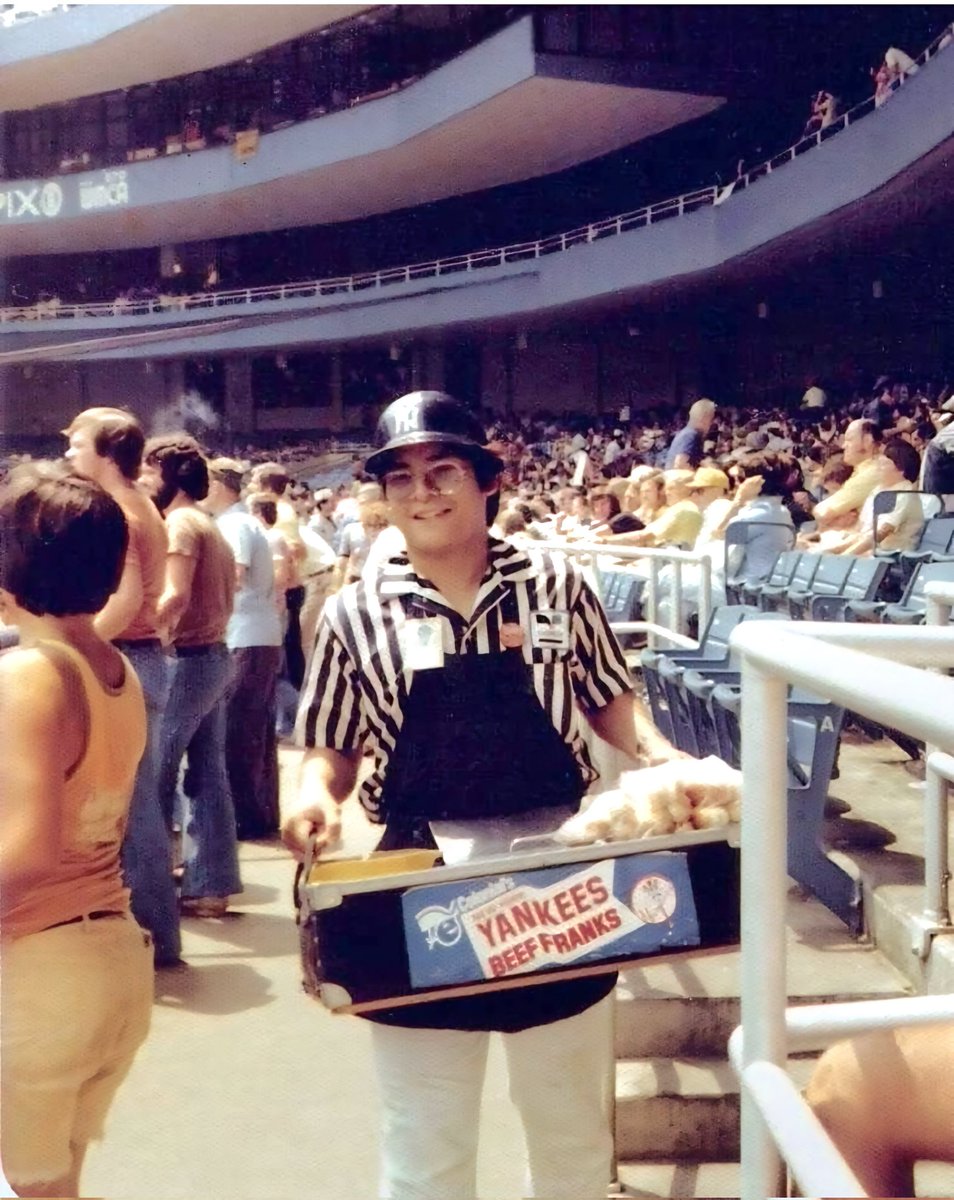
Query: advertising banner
column 555, row 917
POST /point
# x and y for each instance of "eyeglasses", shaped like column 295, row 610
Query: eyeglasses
column 443, row 478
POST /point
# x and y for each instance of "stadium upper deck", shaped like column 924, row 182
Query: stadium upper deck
column 743, row 286
column 291, row 138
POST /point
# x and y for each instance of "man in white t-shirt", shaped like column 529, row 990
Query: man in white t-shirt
column 254, row 639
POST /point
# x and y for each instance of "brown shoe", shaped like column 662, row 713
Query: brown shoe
column 204, row 906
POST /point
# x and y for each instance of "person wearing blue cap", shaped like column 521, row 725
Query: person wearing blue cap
column 468, row 667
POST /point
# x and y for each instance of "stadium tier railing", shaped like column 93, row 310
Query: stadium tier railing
column 518, row 252
column 674, row 632
column 890, row 674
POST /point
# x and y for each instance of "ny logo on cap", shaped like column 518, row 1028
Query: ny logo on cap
column 407, row 415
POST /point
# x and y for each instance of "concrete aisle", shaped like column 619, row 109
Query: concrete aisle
column 247, row 1089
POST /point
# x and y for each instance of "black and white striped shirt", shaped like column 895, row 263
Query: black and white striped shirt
column 358, row 686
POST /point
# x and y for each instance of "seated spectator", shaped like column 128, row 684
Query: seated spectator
column 938, row 474
column 708, row 491
column 679, row 523
column 604, row 506
column 886, row 1100
column 882, row 81
column 899, row 465
column 759, row 500
column 861, row 445
column 651, row 494
column 822, row 114
column 899, row 64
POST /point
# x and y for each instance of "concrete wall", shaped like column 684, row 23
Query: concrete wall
column 41, row 398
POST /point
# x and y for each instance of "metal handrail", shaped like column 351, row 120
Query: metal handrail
column 657, row 555
column 517, row 252
column 815, row 1163
column 881, row 683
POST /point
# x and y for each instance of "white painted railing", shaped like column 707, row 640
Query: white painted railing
column 674, row 630
column 880, row 672
column 518, row 252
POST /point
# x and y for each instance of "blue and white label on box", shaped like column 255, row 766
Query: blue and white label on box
column 570, row 916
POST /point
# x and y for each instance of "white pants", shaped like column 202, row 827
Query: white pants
column 561, row 1081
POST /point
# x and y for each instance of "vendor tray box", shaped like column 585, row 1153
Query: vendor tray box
column 402, row 927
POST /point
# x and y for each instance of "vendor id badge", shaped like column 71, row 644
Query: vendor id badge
column 422, row 644
column 550, row 630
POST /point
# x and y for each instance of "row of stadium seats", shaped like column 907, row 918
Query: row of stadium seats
column 695, row 697
column 822, row 586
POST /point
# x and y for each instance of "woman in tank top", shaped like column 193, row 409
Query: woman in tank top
column 76, row 984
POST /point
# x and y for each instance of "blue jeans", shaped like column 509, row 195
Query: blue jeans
column 146, row 855
column 194, row 723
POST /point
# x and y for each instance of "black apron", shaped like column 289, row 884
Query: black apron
column 475, row 742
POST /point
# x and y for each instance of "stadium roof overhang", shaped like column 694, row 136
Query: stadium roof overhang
column 496, row 114
column 96, row 48
column 759, row 236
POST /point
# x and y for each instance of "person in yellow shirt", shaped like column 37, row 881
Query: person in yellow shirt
column 677, row 525
column 861, row 448
column 77, row 980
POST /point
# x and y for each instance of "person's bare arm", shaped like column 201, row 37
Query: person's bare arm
column 180, row 572
column 326, row 779
column 122, row 606
column 747, row 490
column 42, row 739
column 626, row 724
column 635, row 537
column 681, row 463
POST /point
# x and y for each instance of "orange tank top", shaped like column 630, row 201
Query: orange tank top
column 95, row 808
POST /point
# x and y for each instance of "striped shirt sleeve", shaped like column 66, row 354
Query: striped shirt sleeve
column 600, row 672
column 330, row 713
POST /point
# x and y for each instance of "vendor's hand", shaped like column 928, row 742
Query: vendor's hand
column 321, row 820
column 658, row 750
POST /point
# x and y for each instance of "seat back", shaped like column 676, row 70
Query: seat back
column 864, row 579
column 885, row 501
column 622, row 599
column 784, row 568
column 937, row 536
column 738, row 535
column 831, row 574
column 914, row 598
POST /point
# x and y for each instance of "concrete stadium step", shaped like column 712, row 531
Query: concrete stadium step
column 679, row 1180
column 688, row 1007
column 679, row 1109
column 711, row 1180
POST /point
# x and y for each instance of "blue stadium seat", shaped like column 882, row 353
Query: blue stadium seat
column 828, row 580
column 864, row 580
column 814, row 727
column 738, row 535
column 780, row 576
column 910, row 610
column 772, row 597
column 713, row 648
column 622, row 593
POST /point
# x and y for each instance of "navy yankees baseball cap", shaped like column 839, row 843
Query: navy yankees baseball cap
column 421, row 418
